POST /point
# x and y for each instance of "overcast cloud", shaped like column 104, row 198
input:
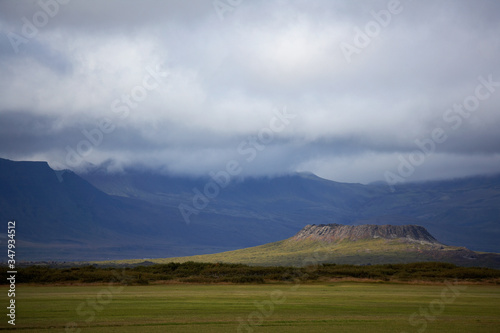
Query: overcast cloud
column 186, row 86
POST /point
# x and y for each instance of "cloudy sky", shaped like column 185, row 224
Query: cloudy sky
column 354, row 91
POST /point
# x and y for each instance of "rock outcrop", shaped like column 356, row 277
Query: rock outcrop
column 339, row 232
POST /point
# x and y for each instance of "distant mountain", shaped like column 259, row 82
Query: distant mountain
column 60, row 216
column 462, row 212
column 135, row 214
column 346, row 244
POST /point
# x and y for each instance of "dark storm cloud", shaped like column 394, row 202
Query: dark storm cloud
column 171, row 85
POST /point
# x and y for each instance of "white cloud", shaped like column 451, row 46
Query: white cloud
column 226, row 78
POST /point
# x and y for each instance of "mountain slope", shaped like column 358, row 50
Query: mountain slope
column 66, row 218
column 340, row 244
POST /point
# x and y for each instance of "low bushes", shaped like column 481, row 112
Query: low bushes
column 193, row 272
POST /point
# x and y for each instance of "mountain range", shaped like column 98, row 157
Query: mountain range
column 142, row 213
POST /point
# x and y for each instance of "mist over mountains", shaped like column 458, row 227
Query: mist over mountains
column 65, row 216
column 352, row 91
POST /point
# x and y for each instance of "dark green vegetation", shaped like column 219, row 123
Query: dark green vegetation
column 344, row 307
column 62, row 216
column 193, row 272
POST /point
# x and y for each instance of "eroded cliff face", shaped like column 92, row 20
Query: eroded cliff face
column 338, row 232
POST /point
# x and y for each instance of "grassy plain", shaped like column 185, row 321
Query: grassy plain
column 318, row 307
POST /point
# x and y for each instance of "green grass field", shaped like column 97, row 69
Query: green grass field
column 323, row 307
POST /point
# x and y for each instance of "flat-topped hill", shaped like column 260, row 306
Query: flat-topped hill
column 346, row 244
column 338, row 232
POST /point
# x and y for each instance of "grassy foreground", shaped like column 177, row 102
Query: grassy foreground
column 320, row 307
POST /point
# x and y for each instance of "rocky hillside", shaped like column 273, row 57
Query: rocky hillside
column 338, row 232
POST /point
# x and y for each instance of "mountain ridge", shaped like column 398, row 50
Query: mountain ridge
column 134, row 214
column 462, row 211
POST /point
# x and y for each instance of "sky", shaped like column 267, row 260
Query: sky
column 353, row 91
